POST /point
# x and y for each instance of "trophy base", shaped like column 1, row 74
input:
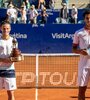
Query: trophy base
column 17, row 59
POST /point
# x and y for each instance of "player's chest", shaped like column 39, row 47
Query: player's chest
column 5, row 45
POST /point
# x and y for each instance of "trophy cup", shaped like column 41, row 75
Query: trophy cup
column 15, row 53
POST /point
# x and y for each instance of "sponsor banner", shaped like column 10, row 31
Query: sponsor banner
column 49, row 38
column 47, row 79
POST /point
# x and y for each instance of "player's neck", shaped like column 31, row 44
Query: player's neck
column 5, row 37
column 87, row 27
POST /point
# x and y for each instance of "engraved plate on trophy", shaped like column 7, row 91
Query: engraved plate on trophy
column 15, row 53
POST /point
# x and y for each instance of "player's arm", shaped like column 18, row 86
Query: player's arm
column 5, row 60
column 75, row 49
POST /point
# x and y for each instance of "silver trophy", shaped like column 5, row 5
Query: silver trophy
column 16, row 55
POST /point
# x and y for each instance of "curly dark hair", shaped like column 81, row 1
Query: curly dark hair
column 87, row 11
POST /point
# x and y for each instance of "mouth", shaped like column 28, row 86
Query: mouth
column 89, row 22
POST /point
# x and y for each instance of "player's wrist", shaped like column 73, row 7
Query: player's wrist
column 1, row 59
column 83, row 52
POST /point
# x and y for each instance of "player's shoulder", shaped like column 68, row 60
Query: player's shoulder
column 80, row 31
column 11, row 38
column 0, row 38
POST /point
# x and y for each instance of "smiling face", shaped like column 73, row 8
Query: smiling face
column 87, row 20
column 5, row 28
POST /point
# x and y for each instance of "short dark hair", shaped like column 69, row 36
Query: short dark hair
column 4, row 22
column 73, row 4
column 87, row 11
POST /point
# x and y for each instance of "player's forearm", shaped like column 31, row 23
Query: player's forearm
column 78, row 51
column 75, row 49
column 2, row 59
column 6, row 60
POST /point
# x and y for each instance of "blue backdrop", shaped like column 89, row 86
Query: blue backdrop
column 48, row 38
column 51, row 38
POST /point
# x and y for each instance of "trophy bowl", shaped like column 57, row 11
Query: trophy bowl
column 16, row 55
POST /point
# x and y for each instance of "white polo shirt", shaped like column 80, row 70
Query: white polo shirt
column 82, row 38
column 5, row 50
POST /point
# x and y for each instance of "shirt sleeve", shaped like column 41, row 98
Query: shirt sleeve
column 76, row 38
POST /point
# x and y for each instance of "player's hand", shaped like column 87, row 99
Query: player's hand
column 7, row 60
column 83, row 52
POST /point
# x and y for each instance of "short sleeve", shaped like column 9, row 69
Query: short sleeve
column 76, row 39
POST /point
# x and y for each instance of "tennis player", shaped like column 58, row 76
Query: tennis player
column 81, row 43
column 7, row 70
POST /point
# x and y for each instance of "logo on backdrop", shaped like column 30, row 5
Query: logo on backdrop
column 62, row 36
column 18, row 35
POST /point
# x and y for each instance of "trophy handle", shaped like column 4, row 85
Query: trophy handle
column 17, row 59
